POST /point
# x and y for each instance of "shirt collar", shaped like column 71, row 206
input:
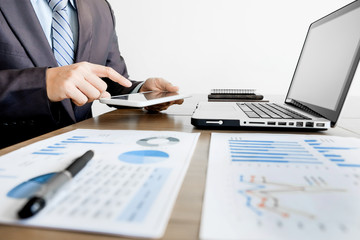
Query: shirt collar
column 72, row 2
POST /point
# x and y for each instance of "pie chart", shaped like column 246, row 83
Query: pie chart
column 144, row 156
column 157, row 141
column 28, row 188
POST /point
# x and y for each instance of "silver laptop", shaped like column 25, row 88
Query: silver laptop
column 322, row 78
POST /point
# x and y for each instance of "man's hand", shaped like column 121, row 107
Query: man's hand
column 81, row 82
column 159, row 84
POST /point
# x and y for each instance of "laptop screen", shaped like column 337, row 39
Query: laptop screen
column 328, row 62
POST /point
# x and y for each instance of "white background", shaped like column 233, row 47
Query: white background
column 203, row 44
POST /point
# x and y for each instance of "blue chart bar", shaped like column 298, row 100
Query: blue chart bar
column 267, row 146
column 260, row 141
column 348, row 165
column 81, row 139
column 275, row 161
column 270, row 152
column 333, row 148
column 86, row 142
column 337, row 160
column 78, row 137
column 266, row 150
column 47, row 153
column 332, row 155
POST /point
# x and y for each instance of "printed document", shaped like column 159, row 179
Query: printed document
column 128, row 188
column 269, row 186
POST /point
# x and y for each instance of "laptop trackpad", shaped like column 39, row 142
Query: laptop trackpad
column 212, row 110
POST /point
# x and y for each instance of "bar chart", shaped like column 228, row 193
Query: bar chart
column 270, row 152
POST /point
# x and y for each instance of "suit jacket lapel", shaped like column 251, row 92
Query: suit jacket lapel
column 85, row 31
column 25, row 25
column 85, row 21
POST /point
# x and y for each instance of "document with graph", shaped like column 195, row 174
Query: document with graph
column 128, row 188
column 269, row 186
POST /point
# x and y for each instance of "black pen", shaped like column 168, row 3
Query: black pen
column 49, row 189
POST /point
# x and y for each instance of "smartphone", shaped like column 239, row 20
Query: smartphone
column 143, row 99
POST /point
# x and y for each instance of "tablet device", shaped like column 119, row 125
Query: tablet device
column 143, row 99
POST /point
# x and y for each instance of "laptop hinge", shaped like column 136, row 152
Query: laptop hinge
column 297, row 104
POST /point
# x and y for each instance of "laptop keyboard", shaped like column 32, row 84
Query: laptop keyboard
column 269, row 110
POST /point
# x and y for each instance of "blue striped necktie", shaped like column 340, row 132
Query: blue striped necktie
column 62, row 36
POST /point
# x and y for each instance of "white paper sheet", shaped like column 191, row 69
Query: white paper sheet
column 267, row 186
column 128, row 188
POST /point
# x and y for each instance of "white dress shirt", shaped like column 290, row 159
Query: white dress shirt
column 44, row 14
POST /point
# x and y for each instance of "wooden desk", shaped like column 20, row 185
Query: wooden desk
column 185, row 219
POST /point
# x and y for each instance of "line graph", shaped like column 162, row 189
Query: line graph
column 263, row 194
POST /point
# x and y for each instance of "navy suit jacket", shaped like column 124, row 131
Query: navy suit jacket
column 25, row 55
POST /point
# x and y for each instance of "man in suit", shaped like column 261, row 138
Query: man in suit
column 54, row 62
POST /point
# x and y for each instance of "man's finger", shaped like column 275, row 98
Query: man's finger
column 76, row 96
column 88, row 90
column 110, row 73
column 97, row 82
column 179, row 102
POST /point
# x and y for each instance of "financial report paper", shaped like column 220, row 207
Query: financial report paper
column 268, row 186
column 128, row 188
